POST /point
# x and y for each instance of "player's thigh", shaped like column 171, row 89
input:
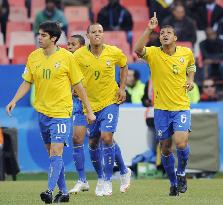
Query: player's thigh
column 163, row 126
column 181, row 139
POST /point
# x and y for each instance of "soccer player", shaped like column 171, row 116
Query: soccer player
column 98, row 62
column 79, row 126
column 172, row 72
column 54, row 72
column 80, row 130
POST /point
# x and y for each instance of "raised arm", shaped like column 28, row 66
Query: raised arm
column 23, row 89
column 144, row 38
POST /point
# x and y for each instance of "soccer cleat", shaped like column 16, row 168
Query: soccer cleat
column 60, row 197
column 47, row 196
column 173, row 191
column 181, row 183
column 80, row 186
column 99, row 187
column 107, row 191
column 125, row 181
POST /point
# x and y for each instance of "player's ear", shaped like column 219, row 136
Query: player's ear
column 175, row 38
column 53, row 39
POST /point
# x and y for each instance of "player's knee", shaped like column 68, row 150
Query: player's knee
column 77, row 139
column 107, row 138
column 93, row 144
column 181, row 145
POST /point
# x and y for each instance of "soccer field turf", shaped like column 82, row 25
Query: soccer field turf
column 200, row 192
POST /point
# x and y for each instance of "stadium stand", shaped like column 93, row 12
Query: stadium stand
column 1, row 39
column 18, row 14
column 3, row 57
column 17, row 3
column 140, row 17
column 76, row 13
column 77, row 26
column 13, row 26
column 20, row 38
column 131, row 3
column 21, row 53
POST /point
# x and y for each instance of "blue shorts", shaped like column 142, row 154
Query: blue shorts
column 54, row 130
column 79, row 119
column 168, row 122
column 106, row 121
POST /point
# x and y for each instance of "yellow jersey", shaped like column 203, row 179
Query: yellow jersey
column 99, row 74
column 53, row 77
column 169, row 75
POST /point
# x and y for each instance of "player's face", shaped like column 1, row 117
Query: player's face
column 44, row 39
column 73, row 44
column 96, row 35
column 167, row 36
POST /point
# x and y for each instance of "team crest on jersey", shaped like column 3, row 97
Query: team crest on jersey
column 57, row 65
column 159, row 133
column 182, row 60
column 108, row 63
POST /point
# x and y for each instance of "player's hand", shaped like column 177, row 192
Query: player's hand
column 153, row 22
column 189, row 85
column 10, row 107
column 121, row 95
column 91, row 117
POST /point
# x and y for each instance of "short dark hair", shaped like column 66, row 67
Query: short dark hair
column 92, row 24
column 169, row 26
column 52, row 28
column 80, row 39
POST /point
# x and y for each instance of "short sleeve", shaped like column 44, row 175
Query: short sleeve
column 191, row 59
column 75, row 73
column 149, row 52
column 27, row 74
column 122, row 59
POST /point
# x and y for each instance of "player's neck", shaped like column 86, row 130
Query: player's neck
column 169, row 49
column 96, row 50
column 50, row 50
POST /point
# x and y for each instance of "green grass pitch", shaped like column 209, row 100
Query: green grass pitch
column 154, row 192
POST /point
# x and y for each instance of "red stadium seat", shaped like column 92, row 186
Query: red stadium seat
column 140, row 16
column 96, row 7
column 3, row 57
column 139, row 13
column 18, row 3
column 131, row 3
column 16, row 26
column 18, row 14
column 21, row 53
column 76, row 13
column 77, row 26
column 20, row 38
column 185, row 43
